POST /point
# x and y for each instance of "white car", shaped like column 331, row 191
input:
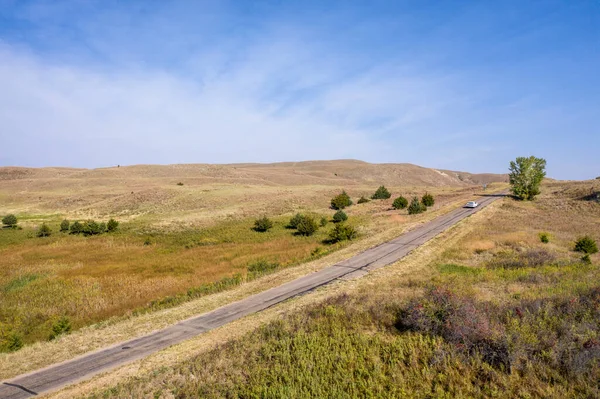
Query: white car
column 471, row 204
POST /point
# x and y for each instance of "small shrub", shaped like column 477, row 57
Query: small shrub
column 180, row 184
column 13, row 342
column 586, row 244
column 416, row 207
column 112, row 225
column 61, row 326
column 263, row 224
column 44, row 231
column 340, row 216
column 318, row 251
column 261, row 267
column 9, row 220
column 342, row 232
column 91, row 228
column 544, row 237
column 341, row 201
column 323, row 222
column 102, row 227
column 586, row 259
column 307, row 226
column 147, row 242
column 64, row 226
column 76, row 228
column 363, row 200
column 294, row 221
column 428, row 200
column 400, row 203
column 381, row 193
column 519, row 260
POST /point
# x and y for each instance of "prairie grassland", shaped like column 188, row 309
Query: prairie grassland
column 496, row 314
column 200, row 235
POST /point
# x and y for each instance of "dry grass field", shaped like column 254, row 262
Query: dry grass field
column 486, row 310
column 199, row 233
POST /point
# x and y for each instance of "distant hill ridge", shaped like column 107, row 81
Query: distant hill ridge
column 338, row 172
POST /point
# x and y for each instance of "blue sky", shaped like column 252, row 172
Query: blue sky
column 463, row 85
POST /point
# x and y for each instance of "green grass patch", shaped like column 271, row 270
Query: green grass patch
column 20, row 282
column 451, row 268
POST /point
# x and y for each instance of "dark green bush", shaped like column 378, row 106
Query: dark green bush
column 323, row 222
column 544, row 237
column 342, row 232
column 64, row 225
column 44, row 231
column 340, row 216
column 112, row 225
column 400, row 203
column 76, row 228
column 263, row 224
column 381, row 193
column 261, row 267
column 307, row 226
column 61, row 326
column 363, row 200
column 416, row 207
column 341, row 201
column 91, row 228
column 294, row 221
column 428, row 200
column 12, row 342
column 586, row 244
column 180, row 184
column 147, row 241
column 10, row 220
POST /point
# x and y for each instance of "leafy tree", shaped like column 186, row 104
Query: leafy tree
column 44, row 231
column 112, row 225
column 10, row 220
column 586, row 244
column 381, row 193
column 363, row 200
column 64, row 225
column 294, row 221
column 416, row 207
column 263, row 224
column 428, row 200
column 307, row 226
column 341, row 201
column 526, row 175
column 340, row 216
column 400, row 203
column 342, row 232
column 76, row 228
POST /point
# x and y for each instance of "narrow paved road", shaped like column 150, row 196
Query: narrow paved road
column 59, row 375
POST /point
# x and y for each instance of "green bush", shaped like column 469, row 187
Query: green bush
column 147, row 241
column 76, row 228
column 10, row 220
column 112, row 225
column 363, row 200
column 586, row 244
column 44, row 231
column 307, row 226
column 263, row 224
column 381, row 193
column 13, row 342
column 261, row 267
column 400, row 203
column 180, row 184
column 416, row 207
column 323, row 222
column 340, row 216
column 295, row 221
column 341, row 201
column 544, row 237
column 64, row 226
column 61, row 326
column 91, row 228
column 342, row 232
column 428, row 200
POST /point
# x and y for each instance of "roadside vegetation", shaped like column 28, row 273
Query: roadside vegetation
column 499, row 314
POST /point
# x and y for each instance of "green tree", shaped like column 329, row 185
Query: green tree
column 416, row 207
column 586, row 244
column 526, row 175
column 381, row 193
column 342, row 232
column 76, row 228
column 295, row 220
column 112, row 225
column 10, row 220
column 428, row 200
column 64, row 225
column 44, row 231
column 340, row 216
column 263, row 224
column 341, row 201
column 307, row 226
column 400, row 203
column 91, row 228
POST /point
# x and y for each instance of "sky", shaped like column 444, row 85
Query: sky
column 460, row 85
